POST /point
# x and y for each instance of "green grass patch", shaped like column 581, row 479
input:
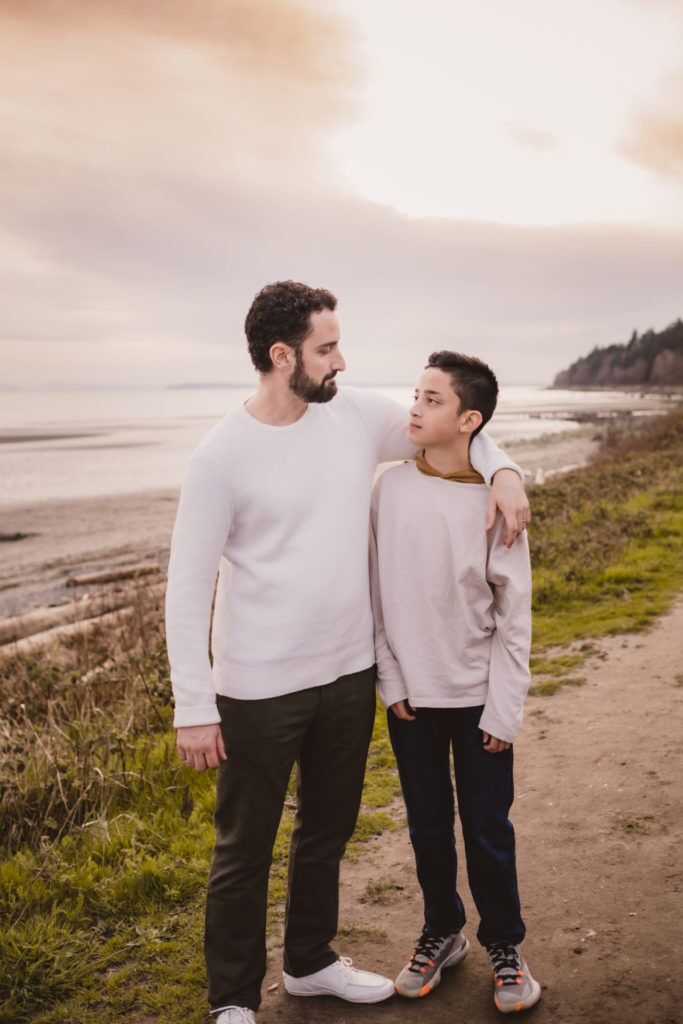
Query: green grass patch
column 633, row 825
column 607, row 548
column 359, row 933
column 550, row 686
column 380, row 892
column 557, row 666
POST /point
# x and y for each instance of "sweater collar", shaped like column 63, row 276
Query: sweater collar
column 465, row 476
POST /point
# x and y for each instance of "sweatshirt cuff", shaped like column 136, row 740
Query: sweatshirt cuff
column 198, row 714
column 391, row 693
column 495, row 727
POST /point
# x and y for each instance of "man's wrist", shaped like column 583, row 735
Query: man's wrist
column 201, row 714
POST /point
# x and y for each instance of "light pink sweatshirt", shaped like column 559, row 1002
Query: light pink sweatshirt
column 452, row 604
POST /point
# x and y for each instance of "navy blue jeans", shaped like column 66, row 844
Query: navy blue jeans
column 484, row 787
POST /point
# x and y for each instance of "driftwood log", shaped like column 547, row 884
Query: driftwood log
column 129, row 572
column 33, row 631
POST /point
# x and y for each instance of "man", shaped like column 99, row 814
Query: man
column 276, row 500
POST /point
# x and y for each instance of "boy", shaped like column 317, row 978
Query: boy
column 452, row 635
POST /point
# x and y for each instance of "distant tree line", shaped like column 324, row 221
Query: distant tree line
column 655, row 357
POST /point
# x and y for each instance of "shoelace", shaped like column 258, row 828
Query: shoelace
column 236, row 1015
column 347, row 963
column 507, row 966
column 426, row 949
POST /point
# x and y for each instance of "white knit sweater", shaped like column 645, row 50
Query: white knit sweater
column 281, row 514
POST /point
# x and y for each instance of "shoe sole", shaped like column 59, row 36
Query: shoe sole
column 525, row 1004
column 378, row 998
column 455, row 958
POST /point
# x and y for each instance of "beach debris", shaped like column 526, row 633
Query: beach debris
column 273, row 988
column 129, row 572
column 93, row 616
column 39, row 620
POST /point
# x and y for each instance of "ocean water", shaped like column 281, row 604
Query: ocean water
column 82, row 443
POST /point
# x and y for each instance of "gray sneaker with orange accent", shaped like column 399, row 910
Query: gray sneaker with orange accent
column 514, row 988
column 432, row 953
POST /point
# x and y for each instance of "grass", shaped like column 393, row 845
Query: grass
column 633, row 826
column 547, row 687
column 106, row 838
column 360, row 933
column 607, row 548
column 380, row 892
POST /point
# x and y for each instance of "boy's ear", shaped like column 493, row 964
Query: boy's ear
column 471, row 420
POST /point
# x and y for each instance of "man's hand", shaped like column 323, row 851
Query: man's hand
column 508, row 495
column 201, row 746
column 402, row 709
column 494, row 745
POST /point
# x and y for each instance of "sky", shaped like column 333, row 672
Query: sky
column 502, row 179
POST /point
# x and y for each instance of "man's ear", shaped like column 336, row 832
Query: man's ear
column 281, row 355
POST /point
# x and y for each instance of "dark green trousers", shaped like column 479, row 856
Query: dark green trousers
column 326, row 730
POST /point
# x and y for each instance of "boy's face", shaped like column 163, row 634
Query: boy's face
column 436, row 416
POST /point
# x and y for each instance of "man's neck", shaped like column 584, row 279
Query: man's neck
column 275, row 405
column 450, row 458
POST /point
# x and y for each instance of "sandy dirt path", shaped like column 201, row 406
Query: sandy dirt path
column 599, row 782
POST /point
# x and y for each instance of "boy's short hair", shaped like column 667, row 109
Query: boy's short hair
column 282, row 312
column 473, row 381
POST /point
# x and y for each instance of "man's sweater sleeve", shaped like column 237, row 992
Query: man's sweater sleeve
column 509, row 572
column 487, row 458
column 387, row 424
column 390, row 682
column 199, row 536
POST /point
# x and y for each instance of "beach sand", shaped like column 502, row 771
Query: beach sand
column 65, row 538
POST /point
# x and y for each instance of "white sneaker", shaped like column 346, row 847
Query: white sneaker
column 342, row 980
column 236, row 1015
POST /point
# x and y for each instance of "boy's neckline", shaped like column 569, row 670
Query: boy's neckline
column 467, row 475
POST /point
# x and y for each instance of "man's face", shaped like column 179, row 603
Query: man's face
column 436, row 416
column 318, row 360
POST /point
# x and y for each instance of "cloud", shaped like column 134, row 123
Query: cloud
column 654, row 140
column 284, row 40
column 162, row 161
column 532, row 138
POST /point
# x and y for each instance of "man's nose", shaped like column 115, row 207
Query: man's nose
column 339, row 363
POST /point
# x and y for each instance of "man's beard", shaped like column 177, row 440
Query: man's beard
column 306, row 388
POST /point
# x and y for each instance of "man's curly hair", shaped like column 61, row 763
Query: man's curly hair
column 281, row 312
